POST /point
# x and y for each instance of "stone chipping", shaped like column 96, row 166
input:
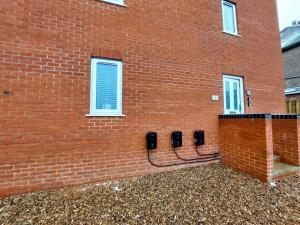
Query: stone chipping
column 211, row 194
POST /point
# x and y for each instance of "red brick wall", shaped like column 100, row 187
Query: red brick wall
column 286, row 139
column 174, row 55
column 246, row 145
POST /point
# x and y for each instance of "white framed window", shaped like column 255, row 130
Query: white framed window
column 106, row 87
column 233, row 94
column 229, row 17
column 117, row 2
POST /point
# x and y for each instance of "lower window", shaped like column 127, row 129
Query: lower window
column 233, row 94
column 106, row 87
column 118, row 2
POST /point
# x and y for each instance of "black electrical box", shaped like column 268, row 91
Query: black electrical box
column 177, row 139
column 151, row 140
column 199, row 137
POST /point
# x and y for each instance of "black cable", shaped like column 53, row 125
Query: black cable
column 191, row 159
column 205, row 154
column 209, row 159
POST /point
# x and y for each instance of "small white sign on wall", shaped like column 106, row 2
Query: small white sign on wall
column 215, row 97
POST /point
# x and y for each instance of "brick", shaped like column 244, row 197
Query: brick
column 286, row 140
column 174, row 57
column 251, row 140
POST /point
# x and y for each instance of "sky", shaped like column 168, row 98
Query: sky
column 288, row 10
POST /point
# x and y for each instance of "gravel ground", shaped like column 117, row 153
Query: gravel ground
column 205, row 195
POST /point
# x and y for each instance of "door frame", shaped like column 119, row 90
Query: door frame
column 241, row 82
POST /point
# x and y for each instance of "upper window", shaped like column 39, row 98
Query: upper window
column 106, row 87
column 229, row 17
column 118, row 2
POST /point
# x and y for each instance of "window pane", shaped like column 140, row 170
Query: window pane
column 115, row 1
column 106, row 86
column 235, row 95
column 229, row 21
column 227, row 90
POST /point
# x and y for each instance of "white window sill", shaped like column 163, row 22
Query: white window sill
column 104, row 115
column 113, row 3
column 232, row 34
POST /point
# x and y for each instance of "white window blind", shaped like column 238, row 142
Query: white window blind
column 106, row 86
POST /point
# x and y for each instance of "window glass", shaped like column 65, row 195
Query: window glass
column 229, row 17
column 229, row 24
column 235, row 95
column 227, row 90
column 118, row 2
column 106, row 86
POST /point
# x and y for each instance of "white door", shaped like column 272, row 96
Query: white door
column 233, row 95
